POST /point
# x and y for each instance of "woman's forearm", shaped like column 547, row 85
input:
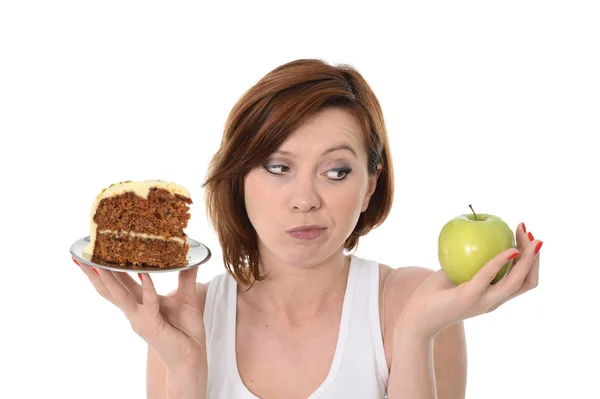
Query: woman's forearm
column 412, row 374
column 187, row 384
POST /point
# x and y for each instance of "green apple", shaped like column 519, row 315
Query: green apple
column 467, row 242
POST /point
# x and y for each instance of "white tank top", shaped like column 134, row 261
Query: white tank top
column 359, row 368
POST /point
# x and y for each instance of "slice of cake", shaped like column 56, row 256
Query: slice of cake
column 140, row 223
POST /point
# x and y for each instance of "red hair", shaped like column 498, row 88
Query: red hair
column 262, row 119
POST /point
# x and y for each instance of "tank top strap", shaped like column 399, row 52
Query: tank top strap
column 375, row 320
column 216, row 308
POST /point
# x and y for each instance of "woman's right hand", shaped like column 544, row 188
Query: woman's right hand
column 172, row 325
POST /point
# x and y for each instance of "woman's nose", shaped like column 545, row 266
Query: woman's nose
column 304, row 196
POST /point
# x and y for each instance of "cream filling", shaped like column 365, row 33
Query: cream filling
column 141, row 188
column 143, row 235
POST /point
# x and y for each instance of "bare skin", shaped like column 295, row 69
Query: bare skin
column 290, row 321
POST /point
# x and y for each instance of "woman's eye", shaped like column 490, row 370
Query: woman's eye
column 338, row 173
column 276, row 169
column 332, row 174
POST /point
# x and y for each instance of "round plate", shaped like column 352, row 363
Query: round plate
column 197, row 255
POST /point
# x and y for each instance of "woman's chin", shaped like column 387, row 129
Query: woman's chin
column 301, row 258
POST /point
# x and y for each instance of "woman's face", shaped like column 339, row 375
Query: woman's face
column 306, row 199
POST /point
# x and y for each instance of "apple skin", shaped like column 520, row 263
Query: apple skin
column 465, row 245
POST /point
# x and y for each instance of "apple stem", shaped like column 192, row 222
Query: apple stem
column 474, row 215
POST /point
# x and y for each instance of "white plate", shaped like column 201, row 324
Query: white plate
column 197, row 255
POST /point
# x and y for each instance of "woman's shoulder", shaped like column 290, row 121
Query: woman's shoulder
column 402, row 280
column 396, row 286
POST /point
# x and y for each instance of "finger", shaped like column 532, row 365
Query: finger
column 513, row 281
column 531, row 281
column 481, row 281
column 533, row 277
column 187, row 283
column 95, row 280
column 150, row 296
column 521, row 238
column 121, row 295
column 130, row 284
column 524, row 239
column 147, row 321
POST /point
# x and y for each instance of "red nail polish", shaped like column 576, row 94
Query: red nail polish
column 513, row 256
column 95, row 271
column 76, row 262
column 530, row 236
column 140, row 276
column 537, row 248
column 523, row 226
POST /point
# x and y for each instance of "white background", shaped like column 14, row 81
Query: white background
column 494, row 104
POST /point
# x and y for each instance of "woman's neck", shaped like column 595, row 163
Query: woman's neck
column 295, row 293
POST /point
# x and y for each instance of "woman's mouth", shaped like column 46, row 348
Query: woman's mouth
column 306, row 232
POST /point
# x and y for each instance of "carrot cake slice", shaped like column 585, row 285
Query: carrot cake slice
column 140, row 223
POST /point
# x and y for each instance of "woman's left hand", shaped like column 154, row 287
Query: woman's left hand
column 438, row 303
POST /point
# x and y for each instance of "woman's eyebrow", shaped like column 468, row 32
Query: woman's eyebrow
column 340, row 147
column 327, row 151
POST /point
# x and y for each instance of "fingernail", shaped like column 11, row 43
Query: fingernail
column 140, row 276
column 523, row 226
column 537, row 247
column 76, row 262
column 530, row 236
column 513, row 256
column 95, row 271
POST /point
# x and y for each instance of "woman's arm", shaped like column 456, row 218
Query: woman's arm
column 428, row 367
column 441, row 361
column 412, row 374
column 175, row 384
column 156, row 376
column 450, row 362
column 162, row 384
column 188, row 383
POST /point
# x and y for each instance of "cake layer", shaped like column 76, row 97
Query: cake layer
column 162, row 213
column 131, row 250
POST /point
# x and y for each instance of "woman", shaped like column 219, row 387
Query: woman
column 304, row 170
